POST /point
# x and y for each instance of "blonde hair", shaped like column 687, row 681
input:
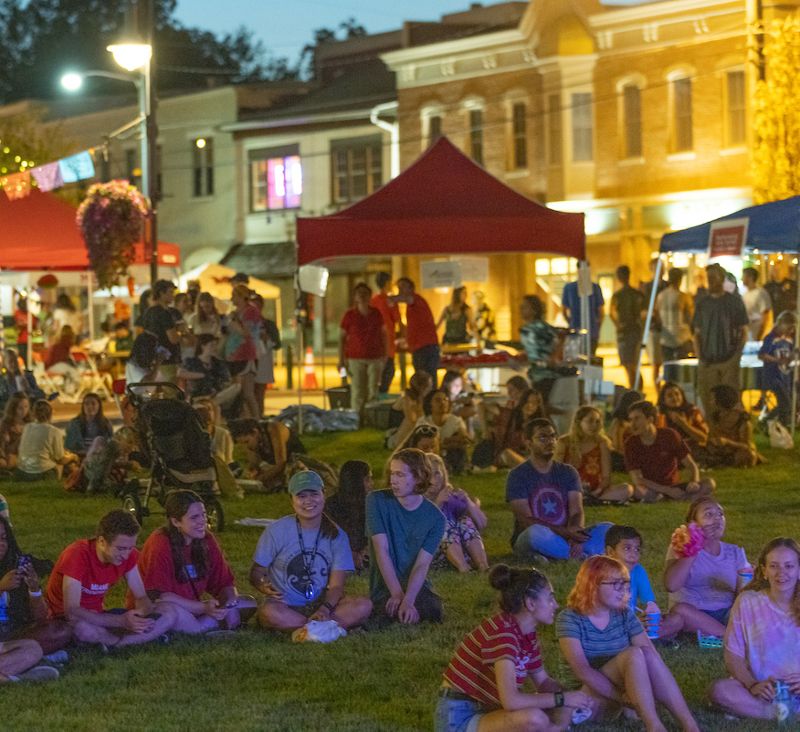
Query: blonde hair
column 760, row 582
column 584, row 595
column 576, row 435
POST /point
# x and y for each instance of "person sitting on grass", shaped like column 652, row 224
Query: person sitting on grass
column 482, row 686
column 588, row 450
column 654, row 457
column 16, row 415
column 624, row 543
column 18, row 659
column 86, row 571
column 425, row 437
column 266, row 447
column 763, row 636
column 511, row 446
column 90, row 424
column 408, row 409
column 608, row 651
column 41, row 448
column 453, row 437
column 701, row 570
column 208, row 376
column 546, row 500
column 730, row 437
column 23, row 611
column 677, row 413
column 182, row 566
column 347, row 508
column 619, row 429
column 405, row 530
column 301, row 563
column 462, row 545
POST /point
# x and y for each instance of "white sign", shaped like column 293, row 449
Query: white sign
column 440, row 274
column 474, row 269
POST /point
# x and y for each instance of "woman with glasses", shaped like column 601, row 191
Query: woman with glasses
column 301, row 563
column 609, row 652
column 482, row 686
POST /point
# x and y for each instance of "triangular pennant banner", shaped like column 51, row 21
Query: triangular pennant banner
column 48, row 176
column 77, row 167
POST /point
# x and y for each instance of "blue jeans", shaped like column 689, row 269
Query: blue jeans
column 541, row 540
column 427, row 359
column 457, row 715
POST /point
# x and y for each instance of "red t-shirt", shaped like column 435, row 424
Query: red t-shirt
column 158, row 571
column 79, row 561
column 420, row 325
column 364, row 334
column 471, row 670
column 391, row 317
column 659, row 462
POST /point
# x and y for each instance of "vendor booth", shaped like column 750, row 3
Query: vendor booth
column 770, row 228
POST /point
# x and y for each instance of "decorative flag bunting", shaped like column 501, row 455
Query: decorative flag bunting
column 16, row 185
column 48, row 176
column 77, row 167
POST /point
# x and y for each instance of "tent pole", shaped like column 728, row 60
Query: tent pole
column 796, row 370
column 90, row 300
column 648, row 321
column 585, row 316
column 29, row 352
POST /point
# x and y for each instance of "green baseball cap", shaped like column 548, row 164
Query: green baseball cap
column 305, row 480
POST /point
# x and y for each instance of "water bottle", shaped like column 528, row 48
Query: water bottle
column 782, row 704
column 4, row 619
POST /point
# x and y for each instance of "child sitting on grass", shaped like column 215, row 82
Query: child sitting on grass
column 730, row 438
column 624, row 543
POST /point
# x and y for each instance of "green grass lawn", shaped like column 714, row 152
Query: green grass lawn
column 370, row 681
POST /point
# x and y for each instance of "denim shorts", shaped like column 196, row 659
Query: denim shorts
column 457, row 715
column 721, row 615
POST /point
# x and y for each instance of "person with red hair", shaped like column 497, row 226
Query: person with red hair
column 609, row 652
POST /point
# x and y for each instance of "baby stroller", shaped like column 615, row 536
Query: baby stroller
column 178, row 450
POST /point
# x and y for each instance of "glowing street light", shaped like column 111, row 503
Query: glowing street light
column 133, row 56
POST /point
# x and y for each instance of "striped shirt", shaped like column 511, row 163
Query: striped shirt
column 471, row 670
column 599, row 646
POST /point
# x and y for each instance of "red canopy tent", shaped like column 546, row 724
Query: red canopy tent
column 39, row 232
column 443, row 203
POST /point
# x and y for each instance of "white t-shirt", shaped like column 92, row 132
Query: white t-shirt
column 134, row 374
column 767, row 637
column 41, row 447
column 756, row 301
column 711, row 582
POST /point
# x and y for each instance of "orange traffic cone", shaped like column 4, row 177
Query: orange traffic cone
column 309, row 377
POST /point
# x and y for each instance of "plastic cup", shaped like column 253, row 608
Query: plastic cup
column 744, row 577
column 652, row 623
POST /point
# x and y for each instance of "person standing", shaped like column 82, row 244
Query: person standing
column 159, row 320
column 720, row 332
column 21, row 324
column 627, row 311
column 571, row 309
column 362, row 348
column 457, row 318
column 757, row 303
column 391, row 320
column 484, row 318
column 421, row 337
column 675, row 310
column 541, row 343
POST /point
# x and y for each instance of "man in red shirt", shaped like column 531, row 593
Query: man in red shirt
column 86, row 571
column 362, row 348
column 391, row 319
column 654, row 457
column 421, row 336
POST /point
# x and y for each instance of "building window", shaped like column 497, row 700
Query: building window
column 736, row 119
column 276, row 179
column 519, row 135
column 203, row 166
column 632, row 120
column 434, row 128
column 476, row 135
column 357, row 167
column 682, row 115
column 554, row 129
column 582, row 127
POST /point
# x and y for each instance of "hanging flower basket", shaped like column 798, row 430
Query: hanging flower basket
column 111, row 219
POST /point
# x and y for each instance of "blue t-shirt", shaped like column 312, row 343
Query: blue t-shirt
column 779, row 346
column 599, row 646
column 407, row 533
column 641, row 591
column 547, row 493
column 571, row 300
column 280, row 553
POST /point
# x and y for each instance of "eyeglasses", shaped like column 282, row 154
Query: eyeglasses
column 618, row 584
column 427, row 430
column 546, row 438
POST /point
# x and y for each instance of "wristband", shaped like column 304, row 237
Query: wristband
column 559, row 698
column 38, row 593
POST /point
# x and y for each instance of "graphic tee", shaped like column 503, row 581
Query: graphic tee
column 79, row 561
column 547, row 493
column 280, row 553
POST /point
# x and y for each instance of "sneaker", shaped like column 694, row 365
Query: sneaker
column 539, row 559
column 59, row 657
column 37, row 673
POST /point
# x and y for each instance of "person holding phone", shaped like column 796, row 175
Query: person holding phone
column 183, row 566
column 84, row 573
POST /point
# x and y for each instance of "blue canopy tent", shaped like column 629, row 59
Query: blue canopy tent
column 772, row 228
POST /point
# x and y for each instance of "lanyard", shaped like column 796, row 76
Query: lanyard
column 308, row 564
